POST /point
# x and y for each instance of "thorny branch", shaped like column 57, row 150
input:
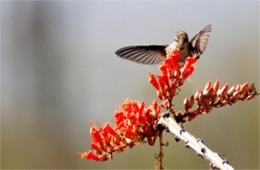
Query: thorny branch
column 216, row 162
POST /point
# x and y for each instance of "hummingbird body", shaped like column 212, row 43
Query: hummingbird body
column 154, row 54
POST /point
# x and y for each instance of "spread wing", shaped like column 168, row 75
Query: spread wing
column 150, row 54
column 199, row 41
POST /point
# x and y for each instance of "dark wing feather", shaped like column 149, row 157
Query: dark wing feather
column 199, row 41
column 150, row 54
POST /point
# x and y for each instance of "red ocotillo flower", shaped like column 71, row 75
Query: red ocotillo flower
column 173, row 74
column 134, row 124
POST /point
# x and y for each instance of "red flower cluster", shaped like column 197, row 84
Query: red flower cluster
column 213, row 96
column 133, row 124
column 173, row 75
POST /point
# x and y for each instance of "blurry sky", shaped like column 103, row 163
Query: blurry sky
column 59, row 73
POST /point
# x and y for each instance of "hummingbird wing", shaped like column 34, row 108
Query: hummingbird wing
column 150, row 54
column 199, row 41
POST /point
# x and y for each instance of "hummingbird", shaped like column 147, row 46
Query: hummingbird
column 154, row 54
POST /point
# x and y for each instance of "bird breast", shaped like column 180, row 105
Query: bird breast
column 184, row 53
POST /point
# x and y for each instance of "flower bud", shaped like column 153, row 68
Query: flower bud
column 252, row 88
column 238, row 87
column 222, row 92
column 207, row 87
column 235, row 96
column 197, row 95
column 244, row 87
column 216, row 86
column 231, row 91
column 250, row 97
column 153, row 81
column 186, row 104
column 210, row 93
column 191, row 101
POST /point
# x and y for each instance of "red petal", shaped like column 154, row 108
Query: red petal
column 111, row 131
column 141, row 107
column 163, row 69
column 163, row 81
column 95, row 147
column 155, row 105
column 190, row 61
column 176, row 60
column 187, row 72
column 188, row 67
column 92, row 156
column 153, row 81
column 129, row 133
column 169, row 63
column 159, row 94
column 127, row 105
column 95, row 135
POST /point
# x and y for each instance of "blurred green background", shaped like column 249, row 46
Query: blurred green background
column 59, row 73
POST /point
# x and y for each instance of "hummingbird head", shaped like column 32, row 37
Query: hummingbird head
column 181, row 38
